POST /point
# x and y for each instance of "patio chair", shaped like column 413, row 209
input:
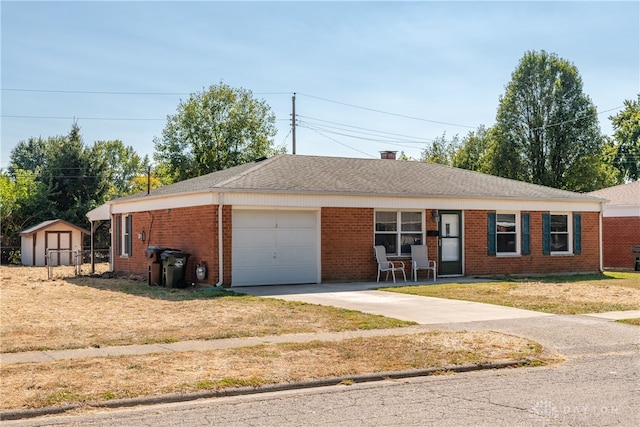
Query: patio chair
column 420, row 261
column 389, row 266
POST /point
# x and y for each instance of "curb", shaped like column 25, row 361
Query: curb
column 240, row 391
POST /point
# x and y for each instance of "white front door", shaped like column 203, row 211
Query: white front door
column 271, row 247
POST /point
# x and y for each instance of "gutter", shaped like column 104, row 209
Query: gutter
column 220, row 245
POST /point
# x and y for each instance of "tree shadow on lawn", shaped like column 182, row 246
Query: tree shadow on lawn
column 138, row 286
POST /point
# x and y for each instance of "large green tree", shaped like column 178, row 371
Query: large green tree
column 626, row 126
column 472, row 153
column 126, row 167
column 215, row 129
column 441, row 150
column 547, row 129
column 24, row 199
column 75, row 178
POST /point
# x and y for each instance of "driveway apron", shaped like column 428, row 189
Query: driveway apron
column 360, row 296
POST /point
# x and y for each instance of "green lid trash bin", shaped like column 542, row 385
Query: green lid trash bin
column 174, row 267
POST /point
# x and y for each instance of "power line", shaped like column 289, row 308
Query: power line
column 81, row 118
column 343, row 125
column 386, row 112
column 101, row 92
column 341, row 143
column 385, row 141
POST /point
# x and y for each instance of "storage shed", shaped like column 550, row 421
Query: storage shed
column 57, row 235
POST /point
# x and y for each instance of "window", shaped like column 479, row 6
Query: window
column 398, row 230
column 123, row 236
column 506, row 233
column 559, row 233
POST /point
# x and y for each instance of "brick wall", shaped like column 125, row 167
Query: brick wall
column 619, row 235
column 347, row 244
column 193, row 230
column 477, row 262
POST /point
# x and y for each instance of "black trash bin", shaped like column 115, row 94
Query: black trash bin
column 154, row 264
column 174, row 267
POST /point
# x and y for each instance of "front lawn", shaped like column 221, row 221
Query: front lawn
column 570, row 294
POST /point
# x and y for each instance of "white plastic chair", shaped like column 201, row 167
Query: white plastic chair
column 389, row 266
column 420, row 261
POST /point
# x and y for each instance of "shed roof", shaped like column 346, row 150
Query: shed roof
column 46, row 224
column 301, row 174
column 624, row 194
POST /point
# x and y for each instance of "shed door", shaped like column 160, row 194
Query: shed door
column 60, row 243
column 271, row 247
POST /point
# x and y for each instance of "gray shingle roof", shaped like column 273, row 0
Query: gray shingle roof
column 288, row 173
column 624, row 194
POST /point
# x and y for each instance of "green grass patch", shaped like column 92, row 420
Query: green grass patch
column 635, row 322
column 567, row 294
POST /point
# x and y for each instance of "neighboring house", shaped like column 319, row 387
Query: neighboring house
column 58, row 236
column 308, row 219
column 620, row 224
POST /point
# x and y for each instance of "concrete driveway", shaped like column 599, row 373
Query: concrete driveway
column 363, row 297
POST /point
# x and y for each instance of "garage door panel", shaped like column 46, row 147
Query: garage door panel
column 254, row 257
column 296, row 256
column 274, row 247
column 254, row 219
column 295, row 236
column 254, row 238
column 296, row 219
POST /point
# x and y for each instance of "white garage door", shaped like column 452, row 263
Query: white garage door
column 274, row 247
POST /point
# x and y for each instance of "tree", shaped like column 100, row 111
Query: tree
column 626, row 126
column 127, row 167
column 546, row 126
column 74, row 177
column 24, row 200
column 214, row 130
column 440, row 151
column 472, row 153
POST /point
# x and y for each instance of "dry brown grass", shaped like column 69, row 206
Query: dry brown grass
column 579, row 294
column 38, row 313
column 79, row 312
column 98, row 379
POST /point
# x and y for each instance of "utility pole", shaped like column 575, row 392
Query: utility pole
column 293, row 122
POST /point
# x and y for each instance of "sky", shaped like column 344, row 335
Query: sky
column 368, row 76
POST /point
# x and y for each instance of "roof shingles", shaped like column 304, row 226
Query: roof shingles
column 352, row 176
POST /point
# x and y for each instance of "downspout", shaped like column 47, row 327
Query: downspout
column 112, row 246
column 600, row 235
column 220, row 240
column 93, row 253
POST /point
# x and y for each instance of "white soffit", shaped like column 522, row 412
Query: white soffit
column 238, row 199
